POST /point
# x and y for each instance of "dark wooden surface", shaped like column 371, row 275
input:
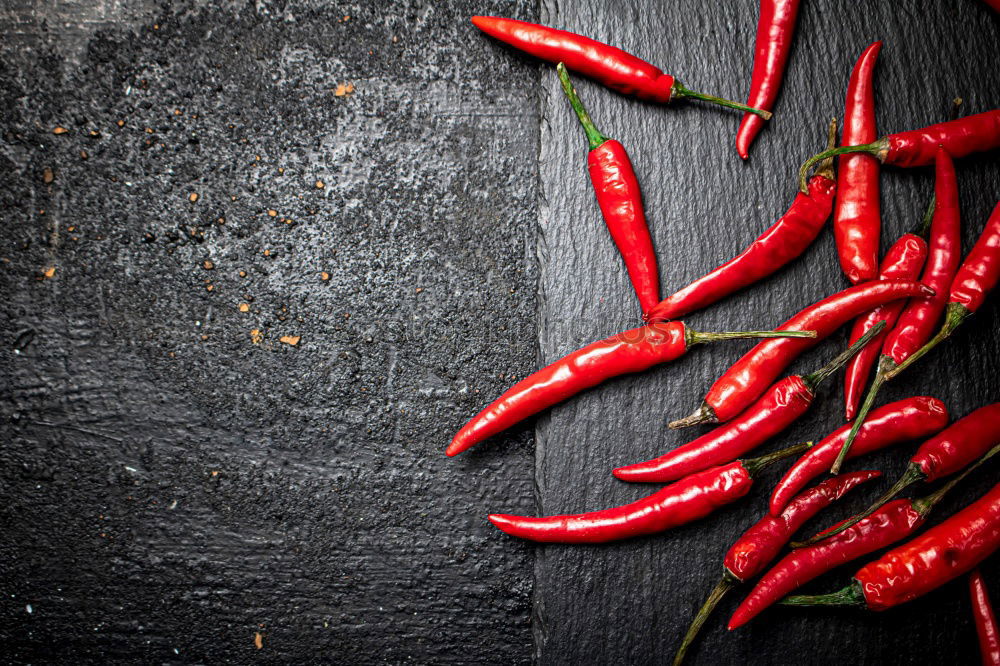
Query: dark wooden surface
column 172, row 488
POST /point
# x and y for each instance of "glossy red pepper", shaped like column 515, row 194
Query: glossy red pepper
column 977, row 277
column 783, row 241
column 961, row 137
column 620, row 200
column 786, row 400
column 606, row 64
column 749, row 377
column 775, row 30
column 631, row 351
column 985, row 620
column 890, row 424
column 952, row 449
column 919, row 319
column 939, row 555
column 857, row 221
column 903, row 261
column 892, row 522
column 762, row 542
column 689, row 499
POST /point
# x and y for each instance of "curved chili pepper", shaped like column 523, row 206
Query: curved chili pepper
column 977, row 277
column 750, row 376
column 689, row 499
column 775, row 29
column 903, row 261
column 783, row 241
column 762, row 542
column 773, row 412
column 920, row 317
column 944, row 454
column 620, row 199
column 890, row 424
column 856, row 218
column 606, row 64
column 631, row 351
column 985, row 619
column 961, row 137
column 939, row 555
column 892, row 522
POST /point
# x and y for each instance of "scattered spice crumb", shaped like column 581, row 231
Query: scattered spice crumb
column 244, row 307
column 204, row 337
column 177, row 112
column 258, row 640
column 243, row 273
column 267, row 253
column 149, row 130
column 208, row 265
column 320, row 184
column 343, row 89
column 272, row 212
column 121, row 123
column 419, row 289
column 48, row 272
column 209, row 287
column 47, row 175
column 256, row 336
column 59, row 130
column 215, row 472
column 290, row 339
column 193, row 197
column 281, row 171
column 83, row 155
column 94, row 133
column 324, row 276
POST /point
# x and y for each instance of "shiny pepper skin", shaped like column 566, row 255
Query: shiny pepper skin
column 985, row 619
column 892, row 522
column 606, row 64
column 939, row 555
column 971, row 134
column 959, row 445
column 857, row 221
column 900, row 421
column 980, row 271
column 689, row 499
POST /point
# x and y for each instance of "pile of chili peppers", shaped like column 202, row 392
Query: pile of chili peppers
column 901, row 307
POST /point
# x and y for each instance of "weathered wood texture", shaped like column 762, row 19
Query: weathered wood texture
column 630, row 602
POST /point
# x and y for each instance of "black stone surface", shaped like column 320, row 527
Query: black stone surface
column 178, row 480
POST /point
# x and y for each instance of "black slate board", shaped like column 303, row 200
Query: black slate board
column 167, row 496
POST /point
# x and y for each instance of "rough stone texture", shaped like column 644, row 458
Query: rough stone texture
column 171, row 485
column 631, row 602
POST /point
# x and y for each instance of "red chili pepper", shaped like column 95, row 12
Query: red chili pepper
column 892, row 522
column 763, row 541
column 949, row 451
column 783, row 241
column 606, row 64
column 775, row 29
column 977, row 277
column 689, row 499
column 620, row 200
column 942, row 553
column 631, row 351
column 903, row 261
column 985, row 619
column 919, row 319
column 971, row 134
column 749, row 377
column 890, row 424
column 773, row 412
column 856, row 218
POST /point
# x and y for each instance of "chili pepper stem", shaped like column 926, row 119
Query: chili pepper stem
column 852, row 595
column 876, row 148
column 753, row 466
column 925, row 504
column 679, row 91
column 825, row 169
column 885, row 365
column 954, row 317
column 692, row 337
column 925, row 224
column 704, row 414
column 814, row 379
column 909, row 477
column 728, row 582
column 594, row 136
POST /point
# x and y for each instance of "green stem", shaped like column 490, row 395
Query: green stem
column 852, row 595
column 704, row 414
column 825, row 169
column 925, row 224
column 814, row 379
column 885, row 364
column 875, row 148
column 728, row 582
column 753, row 466
column 692, row 337
column 925, row 504
column 954, row 317
column 679, row 91
column 594, row 136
